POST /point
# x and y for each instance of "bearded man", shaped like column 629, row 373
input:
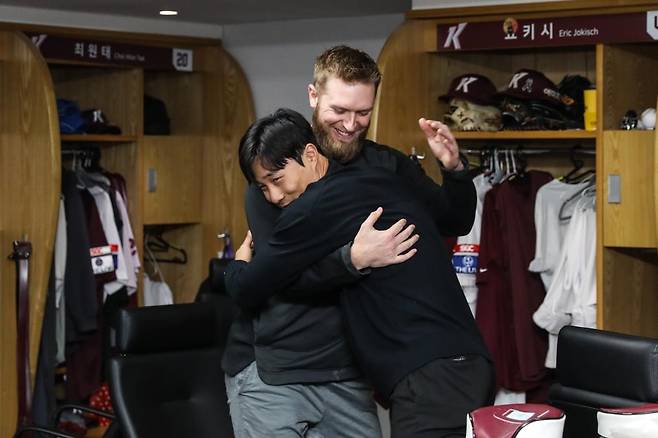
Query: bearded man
column 289, row 369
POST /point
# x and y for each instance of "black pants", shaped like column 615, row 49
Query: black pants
column 433, row 401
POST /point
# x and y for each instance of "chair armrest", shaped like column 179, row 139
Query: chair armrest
column 44, row 430
column 82, row 408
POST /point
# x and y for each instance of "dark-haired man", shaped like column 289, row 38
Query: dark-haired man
column 298, row 342
column 409, row 324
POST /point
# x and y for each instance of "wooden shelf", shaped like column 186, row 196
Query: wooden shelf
column 68, row 62
column 525, row 135
column 99, row 138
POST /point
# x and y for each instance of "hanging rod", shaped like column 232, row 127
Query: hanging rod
column 530, row 151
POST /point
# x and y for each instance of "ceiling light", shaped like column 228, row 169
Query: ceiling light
column 165, row 12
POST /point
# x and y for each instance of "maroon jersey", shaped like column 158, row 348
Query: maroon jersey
column 508, row 293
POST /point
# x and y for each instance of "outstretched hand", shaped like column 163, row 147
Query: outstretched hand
column 374, row 249
column 442, row 143
column 246, row 250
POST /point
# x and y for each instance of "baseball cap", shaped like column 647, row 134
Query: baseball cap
column 473, row 88
column 529, row 84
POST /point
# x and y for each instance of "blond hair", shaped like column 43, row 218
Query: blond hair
column 347, row 64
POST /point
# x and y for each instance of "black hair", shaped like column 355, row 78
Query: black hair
column 274, row 140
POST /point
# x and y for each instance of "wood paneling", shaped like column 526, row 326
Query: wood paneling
column 98, row 138
column 209, row 109
column 409, row 89
column 183, row 95
column 630, row 301
column 117, row 92
column 177, row 162
column 631, row 223
column 655, row 181
column 228, row 113
column 29, row 170
column 600, row 269
column 628, row 83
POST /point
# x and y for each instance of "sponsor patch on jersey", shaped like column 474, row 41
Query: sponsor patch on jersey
column 104, row 258
column 465, row 258
column 103, row 250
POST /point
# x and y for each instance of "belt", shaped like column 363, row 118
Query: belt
column 21, row 255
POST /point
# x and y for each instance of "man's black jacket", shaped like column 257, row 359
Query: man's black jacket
column 399, row 317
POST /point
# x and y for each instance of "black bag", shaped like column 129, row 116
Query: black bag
column 524, row 115
column 572, row 89
column 156, row 119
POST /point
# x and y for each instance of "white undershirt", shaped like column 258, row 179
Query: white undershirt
column 571, row 298
column 550, row 230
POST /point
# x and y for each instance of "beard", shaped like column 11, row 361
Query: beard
column 332, row 148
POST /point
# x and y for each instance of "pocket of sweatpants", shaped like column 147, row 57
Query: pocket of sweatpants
column 235, row 384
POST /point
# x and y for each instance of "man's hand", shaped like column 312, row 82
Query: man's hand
column 373, row 248
column 442, row 142
column 246, row 250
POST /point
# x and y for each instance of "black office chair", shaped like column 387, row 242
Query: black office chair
column 600, row 369
column 213, row 292
column 113, row 431
column 166, row 379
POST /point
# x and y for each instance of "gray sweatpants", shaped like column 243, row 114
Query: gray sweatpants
column 327, row 410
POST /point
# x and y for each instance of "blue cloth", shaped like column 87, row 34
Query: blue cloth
column 70, row 117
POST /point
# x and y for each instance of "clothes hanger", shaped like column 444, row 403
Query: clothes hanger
column 498, row 172
column 157, row 244
column 84, row 162
column 92, row 158
column 521, row 162
column 514, row 172
column 573, row 176
column 515, row 166
column 589, row 190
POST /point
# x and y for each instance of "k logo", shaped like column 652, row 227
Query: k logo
column 514, row 83
column 464, row 83
column 453, row 36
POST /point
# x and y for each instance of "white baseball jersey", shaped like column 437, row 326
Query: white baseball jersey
column 571, row 298
column 106, row 214
column 467, row 251
column 128, row 245
column 549, row 228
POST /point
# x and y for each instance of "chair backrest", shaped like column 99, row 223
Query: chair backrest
column 600, row 369
column 224, row 306
column 166, row 379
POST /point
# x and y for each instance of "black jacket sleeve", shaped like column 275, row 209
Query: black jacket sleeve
column 327, row 275
column 294, row 245
column 451, row 204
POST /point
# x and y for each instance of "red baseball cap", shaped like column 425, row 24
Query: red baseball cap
column 529, row 84
column 473, row 88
